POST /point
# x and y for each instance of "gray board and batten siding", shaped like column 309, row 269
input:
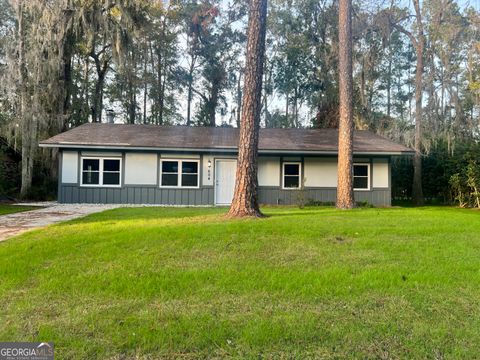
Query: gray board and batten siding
column 70, row 189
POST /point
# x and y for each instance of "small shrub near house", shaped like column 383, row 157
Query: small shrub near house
column 465, row 185
column 9, row 170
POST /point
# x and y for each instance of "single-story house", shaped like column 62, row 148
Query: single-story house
column 178, row 165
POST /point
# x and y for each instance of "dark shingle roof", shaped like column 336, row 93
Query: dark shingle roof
column 118, row 136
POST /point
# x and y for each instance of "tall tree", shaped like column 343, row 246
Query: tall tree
column 107, row 29
column 418, row 43
column 38, row 81
column 345, row 198
column 7, row 22
column 162, row 38
column 245, row 198
column 215, row 55
column 198, row 19
column 28, row 125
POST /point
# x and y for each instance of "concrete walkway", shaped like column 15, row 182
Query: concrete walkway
column 50, row 213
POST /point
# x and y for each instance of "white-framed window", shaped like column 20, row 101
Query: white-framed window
column 292, row 175
column 361, row 176
column 97, row 171
column 176, row 173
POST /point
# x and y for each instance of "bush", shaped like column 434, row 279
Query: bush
column 465, row 185
column 312, row 202
column 439, row 166
column 44, row 191
column 9, row 174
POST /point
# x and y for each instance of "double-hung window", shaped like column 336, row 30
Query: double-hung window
column 361, row 176
column 179, row 173
column 291, row 175
column 101, row 172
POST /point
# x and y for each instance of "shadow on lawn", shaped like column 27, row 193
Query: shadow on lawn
column 283, row 212
column 211, row 214
column 147, row 213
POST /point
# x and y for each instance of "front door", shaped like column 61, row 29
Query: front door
column 225, row 171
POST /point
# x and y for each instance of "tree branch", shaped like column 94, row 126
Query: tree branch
column 412, row 38
column 204, row 98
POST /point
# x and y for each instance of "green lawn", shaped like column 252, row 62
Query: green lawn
column 154, row 283
column 10, row 209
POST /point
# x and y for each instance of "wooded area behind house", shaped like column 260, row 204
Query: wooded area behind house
column 67, row 62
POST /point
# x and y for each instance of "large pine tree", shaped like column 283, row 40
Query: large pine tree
column 245, row 198
column 418, row 43
column 345, row 198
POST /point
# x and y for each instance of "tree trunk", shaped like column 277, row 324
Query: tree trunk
column 29, row 146
column 419, row 45
column 27, row 163
column 65, row 83
column 245, row 198
column 212, row 106
column 99, row 85
column 286, row 108
column 190, row 91
column 442, row 94
column 417, row 192
column 145, row 83
column 295, row 106
column 160, row 86
column 389, row 82
column 25, row 118
column 239, row 98
column 132, row 102
column 345, row 197
column 161, row 99
column 162, row 75
column 266, row 86
column 153, row 64
column 98, row 100
column 84, row 92
column 363, row 96
column 189, row 103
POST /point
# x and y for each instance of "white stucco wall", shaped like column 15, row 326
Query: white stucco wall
column 269, row 171
column 320, row 172
column 141, row 169
column 69, row 167
column 380, row 173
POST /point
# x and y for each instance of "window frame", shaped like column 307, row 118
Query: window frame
column 179, row 174
column 368, row 176
column 300, row 182
column 101, row 160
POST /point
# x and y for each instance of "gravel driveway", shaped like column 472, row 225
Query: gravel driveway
column 50, row 213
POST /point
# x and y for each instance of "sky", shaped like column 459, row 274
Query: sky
column 474, row 3
column 463, row 3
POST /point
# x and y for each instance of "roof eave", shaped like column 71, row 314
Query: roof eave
column 213, row 150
